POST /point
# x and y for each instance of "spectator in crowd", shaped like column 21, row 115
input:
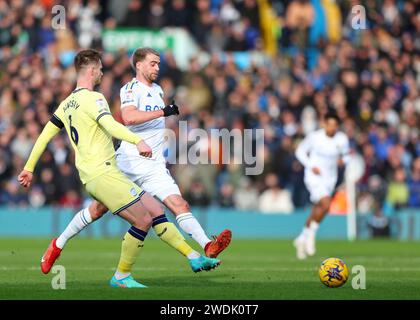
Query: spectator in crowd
column 136, row 15
column 414, row 185
column 370, row 77
column 246, row 196
column 377, row 188
column 226, row 193
column 197, row 195
column 178, row 14
column 299, row 17
column 36, row 197
column 70, row 199
column 275, row 199
column 398, row 193
column 379, row 225
column 11, row 195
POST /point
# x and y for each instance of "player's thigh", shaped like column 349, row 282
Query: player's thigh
column 159, row 183
column 137, row 215
column 135, row 170
column 114, row 190
column 151, row 205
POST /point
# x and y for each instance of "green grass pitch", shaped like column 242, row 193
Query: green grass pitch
column 251, row 269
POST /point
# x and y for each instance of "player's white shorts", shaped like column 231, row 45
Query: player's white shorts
column 319, row 187
column 151, row 176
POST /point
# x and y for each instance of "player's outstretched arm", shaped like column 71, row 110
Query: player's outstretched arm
column 50, row 131
column 131, row 115
column 117, row 130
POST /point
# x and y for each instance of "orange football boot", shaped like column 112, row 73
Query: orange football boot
column 218, row 244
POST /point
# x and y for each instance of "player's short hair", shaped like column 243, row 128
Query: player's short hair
column 85, row 58
column 141, row 53
column 332, row 115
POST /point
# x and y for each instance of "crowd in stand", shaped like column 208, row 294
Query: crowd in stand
column 370, row 77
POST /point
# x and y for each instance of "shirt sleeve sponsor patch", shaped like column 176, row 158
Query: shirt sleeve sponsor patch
column 100, row 103
column 128, row 97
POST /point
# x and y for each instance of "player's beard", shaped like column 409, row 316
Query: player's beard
column 153, row 77
column 98, row 80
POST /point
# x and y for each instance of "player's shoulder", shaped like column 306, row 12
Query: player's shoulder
column 94, row 94
column 96, row 97
column 133, row 84
column 156, row 86
column 340, row 135
column 87, row 98
column 316, row 133
column 84, row 94
column 60, row 106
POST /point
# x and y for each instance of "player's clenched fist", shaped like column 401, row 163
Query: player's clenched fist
column 171, row 109
column 144, row 149
column 25, row 178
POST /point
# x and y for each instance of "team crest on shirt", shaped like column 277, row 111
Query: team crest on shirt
column 133, row 192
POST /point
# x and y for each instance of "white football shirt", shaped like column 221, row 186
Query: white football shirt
column 144, row 98
column 322, row 151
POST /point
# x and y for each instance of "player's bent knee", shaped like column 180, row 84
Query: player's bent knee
column 153, row 207
column 97, row 210
column 158, row 211
column 148, row 221
column 144, row 222
column 182, row 206
column 326, row 203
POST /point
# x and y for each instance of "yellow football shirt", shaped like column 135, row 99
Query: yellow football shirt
column 79, row 113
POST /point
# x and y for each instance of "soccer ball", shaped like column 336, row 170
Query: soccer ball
column 333, row 272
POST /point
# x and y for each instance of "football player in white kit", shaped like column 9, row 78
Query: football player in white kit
column 321, row 153
column 143, row 111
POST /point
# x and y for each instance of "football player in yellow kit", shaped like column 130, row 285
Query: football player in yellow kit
column 86, row 117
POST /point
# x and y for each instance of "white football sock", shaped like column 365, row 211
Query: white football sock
column 193, row 255
column 81, row 220
column 313, row 227
column 120, row 275
column 189, row 224
column 304, row 234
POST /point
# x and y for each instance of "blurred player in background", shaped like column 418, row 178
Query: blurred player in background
column 88, row 121
column 321, row 153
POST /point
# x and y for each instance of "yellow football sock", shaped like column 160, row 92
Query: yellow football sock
column 167, row 232
column 130, row 249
